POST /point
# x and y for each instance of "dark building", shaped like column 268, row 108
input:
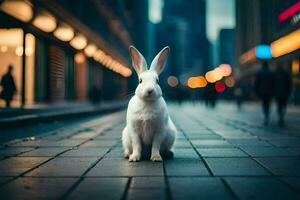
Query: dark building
column 183, row 28
column 226, row 44
column 270, row 23
column 65, row 50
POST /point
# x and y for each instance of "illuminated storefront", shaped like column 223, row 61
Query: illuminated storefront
column 11, row 52
column 55, row 57
column 277, row 41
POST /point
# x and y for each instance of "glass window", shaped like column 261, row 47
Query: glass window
column 11, row 51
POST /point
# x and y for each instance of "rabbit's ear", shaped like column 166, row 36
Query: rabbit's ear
column 138, row 60
column 160, row 59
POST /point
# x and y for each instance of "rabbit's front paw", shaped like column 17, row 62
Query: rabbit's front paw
column 134, row 157
column 156, row 158
column 126, row 154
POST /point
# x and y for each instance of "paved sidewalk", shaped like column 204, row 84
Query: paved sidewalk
column 18, row 116
column 219, row 154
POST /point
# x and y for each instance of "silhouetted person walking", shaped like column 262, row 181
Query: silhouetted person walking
column 95, row 94
column 264, row 88
column 8, row 86
column 283, row 88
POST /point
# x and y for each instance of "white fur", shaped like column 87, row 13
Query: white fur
column 148, row 120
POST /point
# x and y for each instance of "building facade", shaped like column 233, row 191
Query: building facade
column 65, row 51
column 273, row 25
column 183, row 28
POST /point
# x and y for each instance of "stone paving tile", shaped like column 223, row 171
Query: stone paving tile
column 4, row 179
column 267, row 151
column 294, row 182
column 148, row 183
column 36, row 188
column 211, row 143
column 85, row 152
column 221, row 152
column 294, row 150
column 235, row 167
column 11, row 151
column 200, row 131
column 100, row 188
column 185, row 167
column 205, row 137
column 235, row 134
column 198, row 188
column 66, row 166
column 84, row 135
column 107, row 137
column 122, row 167
column 45, row 152
column 248, row 142
column 115, row 153
column 285, row 142
column 185, row 153
column 17, row 165
column 285, row 166
column 100, row 143
column 146, row 194
column 183, row 143
column 49, row 143
column 260, row 188
column 274, row 136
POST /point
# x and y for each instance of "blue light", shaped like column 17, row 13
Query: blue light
column 263, row 51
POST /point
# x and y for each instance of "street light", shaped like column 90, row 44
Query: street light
column 78, row 42
column 18, row 9
column 90, row 50
column 64, row 33
column 45, row 22
column 286, row 44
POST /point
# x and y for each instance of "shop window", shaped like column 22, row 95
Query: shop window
column 11, row 52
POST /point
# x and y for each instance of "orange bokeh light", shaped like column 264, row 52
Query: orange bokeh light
column 197, row 82
column 226, row 69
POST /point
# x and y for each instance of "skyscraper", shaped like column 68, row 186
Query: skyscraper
column 183, row 28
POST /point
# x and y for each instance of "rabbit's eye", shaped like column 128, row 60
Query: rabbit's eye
column 140, row 81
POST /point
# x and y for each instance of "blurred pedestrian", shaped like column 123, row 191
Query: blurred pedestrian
column 95, row 94
column 210, row 96
column 8, row 86
column 264, row 88
column 238, row 93
column 283, row 88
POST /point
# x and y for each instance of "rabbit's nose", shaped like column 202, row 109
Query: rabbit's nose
column 150, row 91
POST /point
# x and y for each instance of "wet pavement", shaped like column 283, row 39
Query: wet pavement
column 220, row 153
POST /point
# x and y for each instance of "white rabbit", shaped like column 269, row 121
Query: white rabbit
column 148, row 120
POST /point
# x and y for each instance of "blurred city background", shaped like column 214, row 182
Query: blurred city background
column 67, row 51
column 66, row 78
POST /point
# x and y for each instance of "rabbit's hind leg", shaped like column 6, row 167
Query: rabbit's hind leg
column 127, row 145
column 166, row 148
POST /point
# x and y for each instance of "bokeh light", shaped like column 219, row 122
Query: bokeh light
column 197, row 82
column 3, row 48
column 209, row 76
column 64, row 33
column 229, row 81
column 172, row 81
column 45, row 22
column 79, row 58
column 78, row 42
column 218, row 74
column 226, row 69
column 90, row 50
column 220, row 86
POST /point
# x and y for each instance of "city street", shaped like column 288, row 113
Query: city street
column 220, row 153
